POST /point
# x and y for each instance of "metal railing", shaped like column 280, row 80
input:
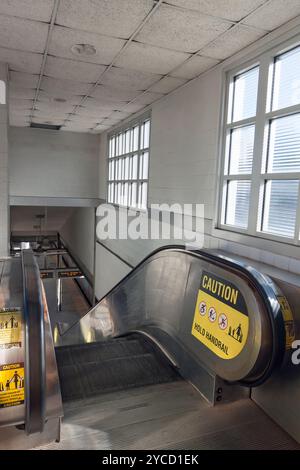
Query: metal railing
column 35, row 357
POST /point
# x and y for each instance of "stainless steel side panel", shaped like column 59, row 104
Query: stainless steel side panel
column 280, row 395
column 158, row 298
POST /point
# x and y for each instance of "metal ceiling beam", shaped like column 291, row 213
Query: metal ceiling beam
column 50, row 30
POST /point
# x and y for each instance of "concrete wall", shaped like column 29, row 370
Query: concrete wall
column 4, row 208
column 45, row 163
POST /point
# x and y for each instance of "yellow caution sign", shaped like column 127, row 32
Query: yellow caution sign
column 10, row 329
column 221, row 319
column 288, row 321
column 11, row 385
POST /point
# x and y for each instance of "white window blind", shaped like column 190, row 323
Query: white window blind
column 261, row 151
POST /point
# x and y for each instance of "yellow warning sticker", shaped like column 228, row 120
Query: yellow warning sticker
column 11, row 385
column 288, row 321
column 10, row 329
column 221, row 319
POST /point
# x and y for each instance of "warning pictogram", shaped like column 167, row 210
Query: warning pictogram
column 224, row 330
column 236, row 333
column 202, row 308
column 223, row 321
column 212, row 314
column 10, row 329
column 11, row 385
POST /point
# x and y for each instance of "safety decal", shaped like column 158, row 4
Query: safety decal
column 10, row 328
column 221, row 319
column 288, row 321
column 11, row 385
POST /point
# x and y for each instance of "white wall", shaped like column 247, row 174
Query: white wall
column 109, row 271
column 78, row 233
column 184, row 165
column 184, row 138
column 53, row 163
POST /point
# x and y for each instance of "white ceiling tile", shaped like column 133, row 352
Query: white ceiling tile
column 20, row 92
column 56, row 98
column 110, row 122
column 48, row 120
column 113, row 94
column 150, row 59
column 77, row 118
column 63, row 39
column 135, row 107
column 72, row 70
column 40, row 10
column 274, row 14
column 232, row 41
column 148, row 98
column 111, row 17
column 183, row 30
column 73, row 127
column 101, row 129
column 194, row 67
column 81, row 122
column 52, row 107
column 106, row 103
column 129, row 79
column 64, row 88
column 15, row 103
column 24, row 80
column 93, row 113
column 44, row 115
column 167, row 84
column 92, row 103
column 120, row 115
column 25, row 35
column 21, row 61
column 233, row 10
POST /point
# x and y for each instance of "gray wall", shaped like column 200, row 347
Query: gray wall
column 53, row 164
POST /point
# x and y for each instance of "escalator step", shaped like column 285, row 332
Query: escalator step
column 87, row 370
column 98, row 352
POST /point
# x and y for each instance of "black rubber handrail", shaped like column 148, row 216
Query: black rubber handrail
column 35, row 356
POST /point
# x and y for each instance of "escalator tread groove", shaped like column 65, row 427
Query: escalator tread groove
column 123, row 363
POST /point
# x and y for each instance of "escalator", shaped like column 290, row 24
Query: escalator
column 180, row 323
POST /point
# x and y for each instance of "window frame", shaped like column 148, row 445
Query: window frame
column 263, row 118
column 138, row 121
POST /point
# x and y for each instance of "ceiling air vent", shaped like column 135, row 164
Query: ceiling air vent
column 51, row 127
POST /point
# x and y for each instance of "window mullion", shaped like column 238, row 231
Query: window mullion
column 258, row 144
column 297, row 225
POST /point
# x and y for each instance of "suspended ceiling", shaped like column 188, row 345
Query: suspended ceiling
column 141, row 50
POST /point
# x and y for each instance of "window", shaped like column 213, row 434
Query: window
column 2, row 92
column 128, row 165
column 260, row 190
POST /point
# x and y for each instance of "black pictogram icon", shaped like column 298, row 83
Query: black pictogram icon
column 236, row 333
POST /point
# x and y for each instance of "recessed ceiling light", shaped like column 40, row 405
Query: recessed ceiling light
column 83, row 50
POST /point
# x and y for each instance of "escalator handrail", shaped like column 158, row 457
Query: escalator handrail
column 35, row 378
column 259, row 281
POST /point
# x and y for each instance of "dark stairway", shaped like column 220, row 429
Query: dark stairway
column 92, row 369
